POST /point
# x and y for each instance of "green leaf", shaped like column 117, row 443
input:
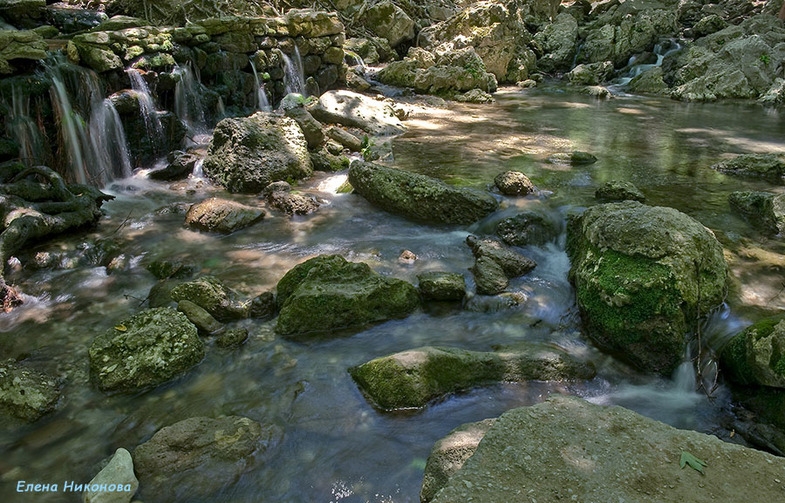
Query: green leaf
column 689, row 459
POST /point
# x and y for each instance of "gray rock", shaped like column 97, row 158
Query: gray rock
column 209, row 293
column 26, row 393
column 198, row 457
column 282, row 199
column 181, row 164
column 576, row 158
column 145, row 350
column 568, row 447
column 419, row 197
column 512, row 263
column 203, row 320
column 248, row 153
column 591, row 74
column 356, row 110
column 641, row 275
column 528, row 228
column 489, row 277
column 649, row 82
column 232, row 338
column 119, row 472
column 618, row 190
column 222, row 215
column 756, row 356
column 437, row 285
column 387, row 20
column 411, row 379
column 449, row 454
column 762, row 209
column 345, row 138
column 311, row 128
column 327, row 293
column 513, row 183
column 559, row 41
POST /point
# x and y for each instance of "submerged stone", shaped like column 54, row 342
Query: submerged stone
column 145, row 350
column 764, row 210
column 411, row 379
column 328, row 293
column 26, row 393
column 767, row 166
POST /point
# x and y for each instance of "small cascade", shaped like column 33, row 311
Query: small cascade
column 146, row 104
column 188, row 104
column 262, row 102
column 294, row 77
column 22, row 128
column 95, row 148
column 661, row 50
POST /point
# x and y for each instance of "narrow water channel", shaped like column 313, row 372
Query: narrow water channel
column 336, row 447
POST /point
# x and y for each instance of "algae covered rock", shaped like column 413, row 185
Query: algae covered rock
column 641, row 275
column 26, row 393
column 209, row 293
column 762, row 209
column 437, row 285
column 145, row 350
column 328, row 293
column 528, row 228
column 618, row 190
column 222, row 215
column 411, row 379
column 387, row 20
column 419, row 197
column 756, row 356
column 200, row 456
column 246, row 154
column 770, row 167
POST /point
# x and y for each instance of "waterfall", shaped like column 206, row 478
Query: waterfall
column 661, row 50
column 22, row 128
column 294, row 77
column 262, row 103
column 188, row 104
column 95, row 149
column 146, row 105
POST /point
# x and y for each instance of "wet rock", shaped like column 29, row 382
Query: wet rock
column 437, row 285
column 770, row 167
column 567, row 446
column 181, row 164
column 411, row 379
column 762, row 209
column 407, row 257
column 356, row 110
column 641, row 275
column 222, row 215
column 591, row 74
column 449, row 454
column 324, row 160
column 418, row 197
column 232, row 338
column 145, row 350
column 372, row 50
column 649, row 82
column 198, row 457
column 513, row 183
column 489, row 277
column 512, row 263
column 165, row 269
column 576, row 158
column 345, row 138
column 118, row 472
column 756, row 356
column 26, row 393
column 160, row 293
column 279, row 196
column 203, row 320
column 528, row 228
column 559, row 42
column 708, row 25
column 20, row 46
column 209, row 293
column 248, row 153
column 262, row 306
column 327, row 293
column 618, row 190
column 311, row 128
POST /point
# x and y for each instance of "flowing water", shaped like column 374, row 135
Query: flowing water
column 335, row 446
column 294, row 76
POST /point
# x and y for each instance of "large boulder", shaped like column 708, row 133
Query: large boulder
column 642, row 275
column 765, row 210
column 246, row 154
column 387, row 20
column 411, row 379
column 222, row 215
column 200, row 456
column 20, row 45
column 559, row 42
column 145, row 350
column 26, row 393
column 327, row 293
column 494, row 30
column 756, row 356
column 740, row 61
column 356, row 110
column 419, row 197
column 568, row 448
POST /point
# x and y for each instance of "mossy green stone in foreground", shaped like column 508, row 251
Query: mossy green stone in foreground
column 756, row 356
column 328, row 293
column 411, row 379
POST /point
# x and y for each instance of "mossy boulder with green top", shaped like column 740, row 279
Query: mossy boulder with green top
column 328, row 293
column 756, row 356
column 642, row 275
column 411, row 379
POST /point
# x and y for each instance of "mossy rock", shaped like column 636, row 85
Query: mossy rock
column 26, row 393
column 756, row 356
column 327, row 293
column 411, row 379
column 764, row 210
column 145, row 350
column 209, row 293
column 642, row 275
column 437, row 285
column 618, row 190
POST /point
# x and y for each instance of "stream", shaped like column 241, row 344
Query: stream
column 335, row 445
